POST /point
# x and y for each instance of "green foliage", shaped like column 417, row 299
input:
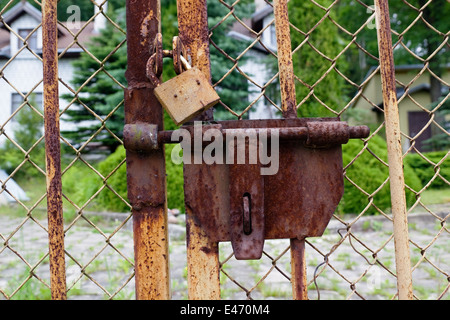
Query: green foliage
column 233, row 90
column 369, row 174
column 82, row 183
column 424, row 167
column 310, row 66
column 28, row 126
column 175, row 182
column 420, row 39
column 103, row 93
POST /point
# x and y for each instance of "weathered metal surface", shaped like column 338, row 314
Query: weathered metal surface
column 298, row 270
column 140, row 137
column 194, row 33
column 285, row 65
column 298, row 201
column 332, row 133
column 202, row 251
column 146, row 177
column 246, row 194
column 52, row 151
column 179, row 50
column 310, row 134
column 395, row 154
column 187, row 95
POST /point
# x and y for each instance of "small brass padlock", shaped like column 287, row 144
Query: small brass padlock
column 186, row 95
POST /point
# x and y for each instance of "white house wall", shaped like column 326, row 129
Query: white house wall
column 23, row 73
column 256, row 67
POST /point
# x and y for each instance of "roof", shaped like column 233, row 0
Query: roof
column 400, row 91
column 19, row 9
column 66, row 31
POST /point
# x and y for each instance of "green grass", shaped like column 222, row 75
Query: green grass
column 436, row 196
column 35, row 188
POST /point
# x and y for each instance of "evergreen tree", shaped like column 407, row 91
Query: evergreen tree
column 28, row 129
column 233, row 90
column 312, row 60
column 102, row 94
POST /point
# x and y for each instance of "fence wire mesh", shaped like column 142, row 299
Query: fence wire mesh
column 337, row 74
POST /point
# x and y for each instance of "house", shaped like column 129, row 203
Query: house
column 412, row 105
column 369, row 102
column 21, row 71
column 21, row 60
column 255, row 66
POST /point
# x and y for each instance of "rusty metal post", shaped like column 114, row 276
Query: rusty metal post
column 298, row 266
column 285, row 65
column 288, row 106
column 202, row 252
column 393, row 137
column 53, row 151
column 146, row 176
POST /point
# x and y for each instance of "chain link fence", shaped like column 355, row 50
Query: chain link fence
column 337, row 74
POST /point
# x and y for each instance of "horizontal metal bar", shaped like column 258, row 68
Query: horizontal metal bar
column 146, row 137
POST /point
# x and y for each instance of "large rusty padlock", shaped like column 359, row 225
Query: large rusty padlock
column 186, row 95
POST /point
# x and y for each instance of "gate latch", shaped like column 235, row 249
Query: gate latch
column 233, row 201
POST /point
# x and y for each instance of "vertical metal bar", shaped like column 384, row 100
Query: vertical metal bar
column 288, row 106
column 298, row 266
column 202, row 252
column 285, row 65
column 194, row 34
column 396, row 177
column 52, row 150
column 146, row 176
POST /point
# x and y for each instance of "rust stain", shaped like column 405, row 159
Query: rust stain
column 292, row 207
column 53, row 152
column 146, row 180
column 146, row 28
column 285, row 66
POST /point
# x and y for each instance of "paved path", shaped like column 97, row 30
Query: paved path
column 99, row 263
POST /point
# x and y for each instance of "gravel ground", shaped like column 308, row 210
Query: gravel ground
column 99, row 262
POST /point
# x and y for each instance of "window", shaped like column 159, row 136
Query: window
column 273, row 36
column 34, row 99
column 32, row 40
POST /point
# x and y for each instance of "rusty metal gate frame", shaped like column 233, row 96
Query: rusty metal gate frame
column 149, row 204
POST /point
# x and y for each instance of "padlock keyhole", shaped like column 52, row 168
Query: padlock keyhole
column 247, row 216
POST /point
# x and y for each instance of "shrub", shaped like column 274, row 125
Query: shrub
column 369, row 174
column 81, row 183
column 28, row 130
column 426, row 171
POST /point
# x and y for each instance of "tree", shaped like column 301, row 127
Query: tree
column 28, row 129
column 233, row 90
column 103, row 93
column 421, row 39
column 315, row 58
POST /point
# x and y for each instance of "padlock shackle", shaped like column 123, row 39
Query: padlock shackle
column 154, row 65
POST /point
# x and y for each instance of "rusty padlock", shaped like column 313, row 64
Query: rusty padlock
column 186, row 95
